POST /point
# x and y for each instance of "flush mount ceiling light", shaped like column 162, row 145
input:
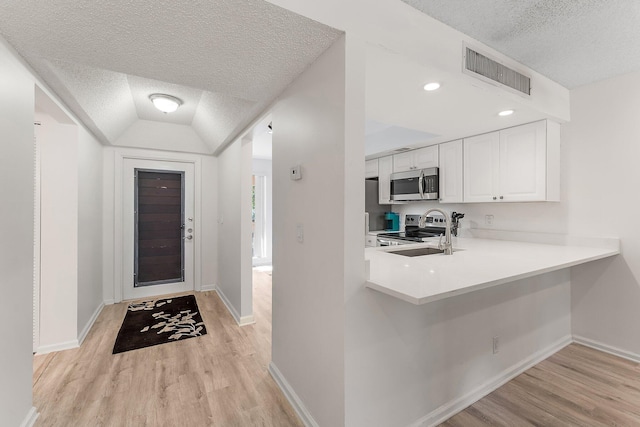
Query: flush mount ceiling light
column 505, row 113
column 432, row 86
column 165, row 103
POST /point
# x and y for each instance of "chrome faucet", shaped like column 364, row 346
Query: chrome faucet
column 446, row 247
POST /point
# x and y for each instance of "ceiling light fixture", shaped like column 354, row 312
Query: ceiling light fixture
column 432, row 86
column 505, row 113
column 165, row 103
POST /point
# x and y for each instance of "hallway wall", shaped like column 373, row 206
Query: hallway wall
column 16, row 237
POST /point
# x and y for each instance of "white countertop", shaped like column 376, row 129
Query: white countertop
column 477, row 264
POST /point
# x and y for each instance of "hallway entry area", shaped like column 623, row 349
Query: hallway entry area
column 220, row 379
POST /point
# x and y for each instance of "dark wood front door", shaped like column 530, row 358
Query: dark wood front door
column 159, row 211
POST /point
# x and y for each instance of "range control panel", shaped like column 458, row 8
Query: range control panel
column 435, row 219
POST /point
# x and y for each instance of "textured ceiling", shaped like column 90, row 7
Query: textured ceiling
column 227, row 59
column 573, row 42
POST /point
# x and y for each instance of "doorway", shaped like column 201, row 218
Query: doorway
column 158, row 227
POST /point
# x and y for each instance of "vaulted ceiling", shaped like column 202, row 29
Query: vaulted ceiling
column 225, row 59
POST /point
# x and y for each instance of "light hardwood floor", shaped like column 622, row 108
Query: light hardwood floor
column 577, row 386
column 219, row 379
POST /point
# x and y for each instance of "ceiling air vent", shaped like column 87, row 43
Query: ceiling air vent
column 477, row 64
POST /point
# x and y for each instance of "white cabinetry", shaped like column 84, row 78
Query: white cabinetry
column 371, row 168
column 370, row 240
column 451, row 172
column 519, row 164
column 385, row 166
column 416, row 159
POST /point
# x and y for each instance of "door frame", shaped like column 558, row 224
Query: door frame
column 118, row 259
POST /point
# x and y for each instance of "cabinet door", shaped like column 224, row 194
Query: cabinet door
column 523, row 163
column 403, row 162
column 426, row 157
column 371, row 168
column 385, row 166
column 481, row 174
column 451, row 173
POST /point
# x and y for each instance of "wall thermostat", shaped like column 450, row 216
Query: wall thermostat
column 295, row 173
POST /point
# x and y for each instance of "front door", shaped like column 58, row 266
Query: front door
column 158, row 228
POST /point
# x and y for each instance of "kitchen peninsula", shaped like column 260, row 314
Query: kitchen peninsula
column 476, row 263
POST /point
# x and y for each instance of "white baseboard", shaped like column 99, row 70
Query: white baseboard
column 109, row 302
column 247, row 320
column 451, row 408
column 66, row 345
column 292, row 397
column 204, row 288
column 607, row 348
column 31, row 418
column 241, row 321
column 89, row 325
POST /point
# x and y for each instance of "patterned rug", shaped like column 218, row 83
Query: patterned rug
column 160, row 321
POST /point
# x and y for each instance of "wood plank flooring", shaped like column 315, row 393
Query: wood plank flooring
column 219, row 379
column 577, row 386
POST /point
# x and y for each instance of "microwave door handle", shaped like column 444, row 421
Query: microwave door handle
column 421, row 184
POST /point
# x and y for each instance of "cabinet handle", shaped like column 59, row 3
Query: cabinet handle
column 494, row 197
column 501, row 197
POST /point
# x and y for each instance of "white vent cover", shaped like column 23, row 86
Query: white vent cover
column 478, row 64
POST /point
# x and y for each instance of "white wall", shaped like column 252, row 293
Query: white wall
column 59, row 234
column 234, row 224
column 206, row 189
column 263, row 167
column 89, row 177
column 16, row 236
column 603, row 141
column 318, row 123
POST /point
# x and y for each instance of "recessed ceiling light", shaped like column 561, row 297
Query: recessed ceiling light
column 165, row 103
column 505, row 113
column 432, row 86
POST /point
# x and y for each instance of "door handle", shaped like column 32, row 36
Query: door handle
column 189, row 237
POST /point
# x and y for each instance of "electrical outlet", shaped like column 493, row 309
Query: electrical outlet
column 488, row 220
column 496, row 345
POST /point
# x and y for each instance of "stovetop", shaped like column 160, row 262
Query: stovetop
column 413, row 233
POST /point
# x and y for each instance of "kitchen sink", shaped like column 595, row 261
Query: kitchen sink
column 417, row 251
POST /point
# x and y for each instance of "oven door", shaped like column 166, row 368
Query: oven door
column 407, row 185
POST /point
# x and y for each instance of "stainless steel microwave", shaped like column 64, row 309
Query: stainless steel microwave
column 420, row 184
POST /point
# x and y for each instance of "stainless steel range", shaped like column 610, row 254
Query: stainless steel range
column 435, row 226
column 413, row 233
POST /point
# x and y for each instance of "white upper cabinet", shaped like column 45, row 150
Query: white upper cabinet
column 481, row 159
column 385, row 166
column 371, row 168
column 451, row 172
column 422, row 158
column 519, row 164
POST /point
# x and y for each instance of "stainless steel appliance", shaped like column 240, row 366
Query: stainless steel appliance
column 434, row 227
column 376, row 211
column 420, row 184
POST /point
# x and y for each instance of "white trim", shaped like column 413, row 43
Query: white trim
column 36, row 238
column 66, row 345
column 205, row 288
column 449, row 409
column 120, row 154
column 89, row 325
column 109, row 302
column 241, row 321
column 30, row 419
column 634, row 357
column 292, row 397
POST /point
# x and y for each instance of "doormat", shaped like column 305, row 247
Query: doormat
column 150, row 323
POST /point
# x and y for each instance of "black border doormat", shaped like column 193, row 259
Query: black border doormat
column 159, row 321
